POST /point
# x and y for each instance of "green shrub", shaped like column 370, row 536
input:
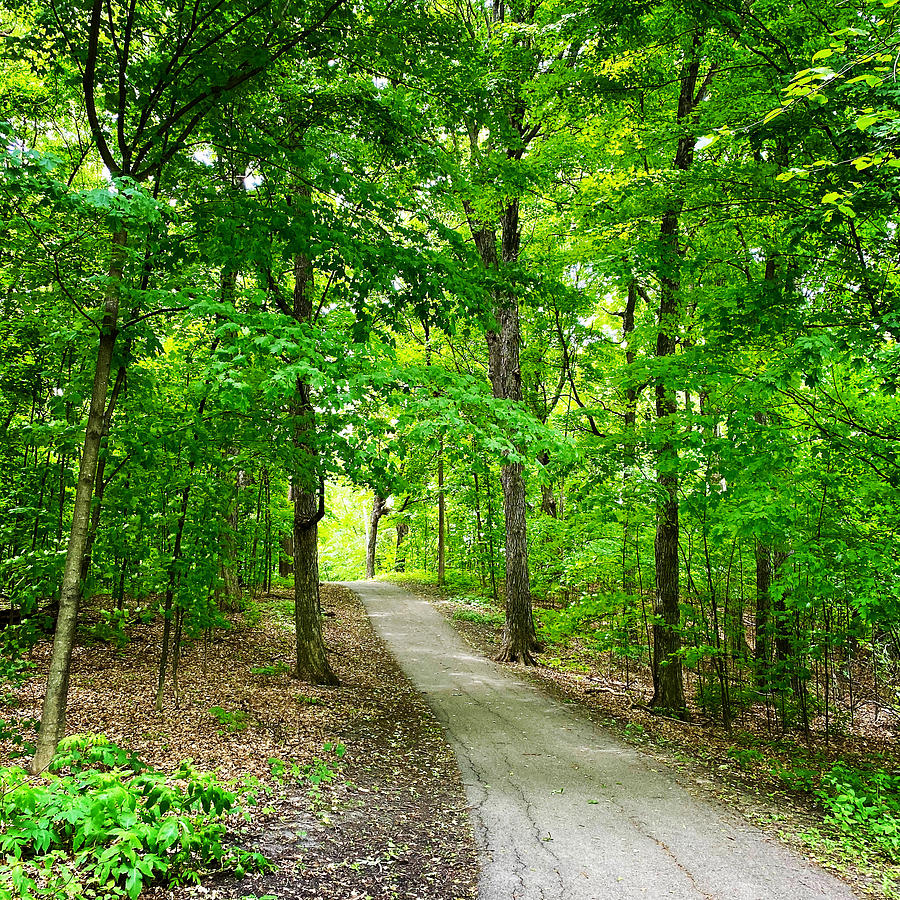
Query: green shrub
column 101, row 824
column 746, row 757
column 865, row 806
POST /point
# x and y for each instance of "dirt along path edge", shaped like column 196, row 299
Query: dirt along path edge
column 562, row 809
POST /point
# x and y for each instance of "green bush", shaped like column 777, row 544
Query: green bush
column 101, row 824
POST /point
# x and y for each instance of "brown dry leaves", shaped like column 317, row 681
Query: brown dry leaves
column 392, row 824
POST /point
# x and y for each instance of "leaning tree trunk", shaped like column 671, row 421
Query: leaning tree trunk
column 53, row 713
column 379, row 505
column 100, row 482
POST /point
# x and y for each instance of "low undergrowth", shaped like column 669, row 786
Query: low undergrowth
column 102, row 824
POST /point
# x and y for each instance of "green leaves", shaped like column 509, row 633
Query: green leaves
column 102, row 823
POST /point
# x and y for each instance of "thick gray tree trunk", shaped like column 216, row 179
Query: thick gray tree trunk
column 53, row 713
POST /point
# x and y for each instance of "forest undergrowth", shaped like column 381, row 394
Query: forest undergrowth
column 348, row 791
column 836, row 802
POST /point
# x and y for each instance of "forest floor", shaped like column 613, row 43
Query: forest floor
column 751, row 768
column 358, row 792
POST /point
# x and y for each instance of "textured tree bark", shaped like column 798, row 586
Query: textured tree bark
column 668, row 679
column 53, row 713
column 311, row 661
column 519, row 639
column 286, row 555
column 379, row 504
column 780, row 627
column 548, row 498
column 668, row 682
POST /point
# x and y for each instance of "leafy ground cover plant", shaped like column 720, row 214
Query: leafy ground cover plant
column 315, row 775
column 864, row 806
column 100, row 823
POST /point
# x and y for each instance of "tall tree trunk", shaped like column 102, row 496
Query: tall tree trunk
column 629, row 456
column 668, row 679
column 519, row 639
column 100, row 486
column 267, row 571
column 231, row 596
column 442, row 518
column 254, row 547
column 668, row 685
column 170, row 591
column 379, row 505
column 311, row 661
column 53, row 713
column 479, row 528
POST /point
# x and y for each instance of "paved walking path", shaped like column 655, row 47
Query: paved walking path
column 564, row 810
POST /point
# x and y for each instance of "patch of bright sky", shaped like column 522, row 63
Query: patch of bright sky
column 204, row 156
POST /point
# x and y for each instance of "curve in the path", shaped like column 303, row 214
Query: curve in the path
column 564, row 810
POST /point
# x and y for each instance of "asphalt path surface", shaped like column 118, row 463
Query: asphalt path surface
column 564, row 810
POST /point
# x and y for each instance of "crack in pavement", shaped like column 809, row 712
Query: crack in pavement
column 562, row 809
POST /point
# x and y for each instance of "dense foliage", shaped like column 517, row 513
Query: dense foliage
column 102, row 824
column 616, row 278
